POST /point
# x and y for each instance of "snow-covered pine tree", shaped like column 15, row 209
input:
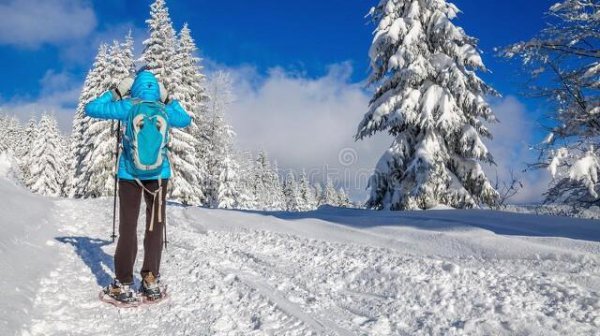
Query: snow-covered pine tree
column 96, row 176
column 103, row 133
column 268, row 188
column 47, row 171
column 329, row 195
column 275, row 197
column 318, row 192
column 342, row 197
column 3, row 135
column 24, row 155
column 431, row 100
column 161, row 57
column 66, row 146
column 563, row 61
column 293, row 200
column 307, row 194
column 15, row 133
column 81, row 147
column 228, row 195
column 25, row 136
column 191, row 92
column 246, row 187
column 128, row 50
column 160, row 47
column 184, row 185
column 217, row 145
column 10, row 133
column 261, row 181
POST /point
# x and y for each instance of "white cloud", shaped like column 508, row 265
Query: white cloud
column 31, row 23
column 307, row 123
column 513, row 137
column 59, row 95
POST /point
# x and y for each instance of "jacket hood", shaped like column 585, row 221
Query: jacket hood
column 145, row 87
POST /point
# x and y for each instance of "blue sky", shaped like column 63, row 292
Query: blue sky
column 267, row 44
column 306, row 36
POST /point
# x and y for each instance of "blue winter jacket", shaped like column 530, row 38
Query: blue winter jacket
column 145, row 87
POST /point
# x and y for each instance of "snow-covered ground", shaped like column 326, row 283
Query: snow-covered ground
column 328, row 272
column 24, row 230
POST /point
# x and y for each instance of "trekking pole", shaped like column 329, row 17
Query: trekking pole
column 165, row 228
column 113, row 236
column 166, row 241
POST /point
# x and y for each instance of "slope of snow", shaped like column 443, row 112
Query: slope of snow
column 25, row 258
column 327, row 272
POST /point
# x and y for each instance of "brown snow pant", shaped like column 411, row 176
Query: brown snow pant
column 130, row 197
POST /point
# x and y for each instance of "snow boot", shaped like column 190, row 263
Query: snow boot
column 121, row 293
column 150, row 287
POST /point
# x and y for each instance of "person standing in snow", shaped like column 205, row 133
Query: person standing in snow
column 121, row 104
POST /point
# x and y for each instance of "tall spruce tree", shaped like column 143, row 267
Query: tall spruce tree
column 47, row 171
column 267, row 186
column 275, row 199
column 3, row 136
column 307, row 194
column 159, row 48
column 81, row 145
column 128, row 50
column 191, row 92
column 246, row 187
column 228, row 195
column 10, row 133
column 101, row 170
column 343, row 200
column 293, row 199
column 318, row 192
column 430, row 99
column 163, row 58
column 96, row 171
column 216, row 146
column 24, row 153
column 329, row 195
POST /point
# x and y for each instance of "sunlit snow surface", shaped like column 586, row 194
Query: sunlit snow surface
column 329, row 272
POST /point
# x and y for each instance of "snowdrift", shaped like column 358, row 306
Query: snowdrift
column 24, row 255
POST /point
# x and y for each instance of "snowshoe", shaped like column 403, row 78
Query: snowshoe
column 119, row 295
column 151, row 290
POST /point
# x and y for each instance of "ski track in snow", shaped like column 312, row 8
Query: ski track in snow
column 260, row 282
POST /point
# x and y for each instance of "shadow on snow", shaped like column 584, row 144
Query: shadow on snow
column 91, row 253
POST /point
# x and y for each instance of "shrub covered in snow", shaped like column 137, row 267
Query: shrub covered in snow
column 9, row 167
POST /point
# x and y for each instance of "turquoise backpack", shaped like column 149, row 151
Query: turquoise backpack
column 146, row 138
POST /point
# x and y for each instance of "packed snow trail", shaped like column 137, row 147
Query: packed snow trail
column 244, row 273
